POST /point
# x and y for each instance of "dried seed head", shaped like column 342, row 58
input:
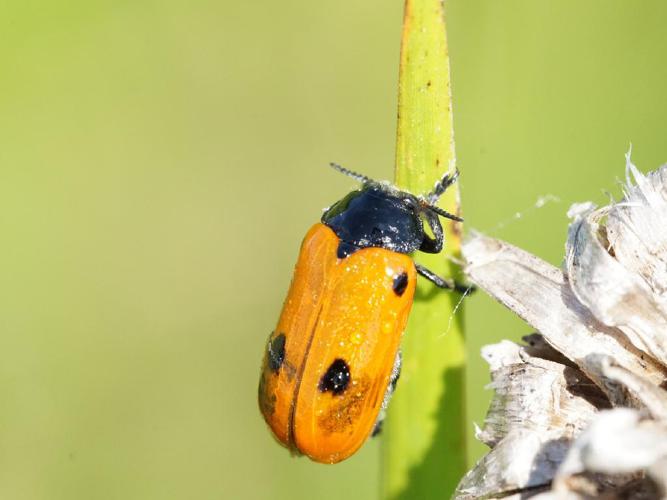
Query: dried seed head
column 602, row 343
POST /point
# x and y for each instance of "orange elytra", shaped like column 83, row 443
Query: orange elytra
column 332, row 362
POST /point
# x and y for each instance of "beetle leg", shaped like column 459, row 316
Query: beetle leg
column 447, row 284
column 435, row 244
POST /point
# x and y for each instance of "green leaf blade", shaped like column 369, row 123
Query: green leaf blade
column 424, row 452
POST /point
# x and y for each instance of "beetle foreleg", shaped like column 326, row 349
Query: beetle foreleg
column 440, row 282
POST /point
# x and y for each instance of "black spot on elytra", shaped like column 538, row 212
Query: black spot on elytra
column 276, row 351
column 400, row 283
column 336, row 378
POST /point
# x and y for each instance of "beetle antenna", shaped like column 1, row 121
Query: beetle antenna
column 444, row 213
column 350, row 173
column 441, row 186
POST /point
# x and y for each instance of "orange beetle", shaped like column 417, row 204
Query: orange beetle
column 331, row 364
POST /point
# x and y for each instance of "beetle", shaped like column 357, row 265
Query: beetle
column 331, row 365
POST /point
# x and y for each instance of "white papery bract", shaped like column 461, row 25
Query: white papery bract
column 580, row 411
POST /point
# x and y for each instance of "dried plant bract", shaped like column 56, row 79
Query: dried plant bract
column 580, row 410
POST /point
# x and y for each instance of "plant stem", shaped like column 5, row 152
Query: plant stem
column 424, row 452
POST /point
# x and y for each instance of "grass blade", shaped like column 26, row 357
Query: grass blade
column 424, row 452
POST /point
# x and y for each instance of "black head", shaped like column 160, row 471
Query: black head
column 379, row 215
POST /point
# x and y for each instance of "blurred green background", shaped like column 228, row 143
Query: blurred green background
column 161, row 161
